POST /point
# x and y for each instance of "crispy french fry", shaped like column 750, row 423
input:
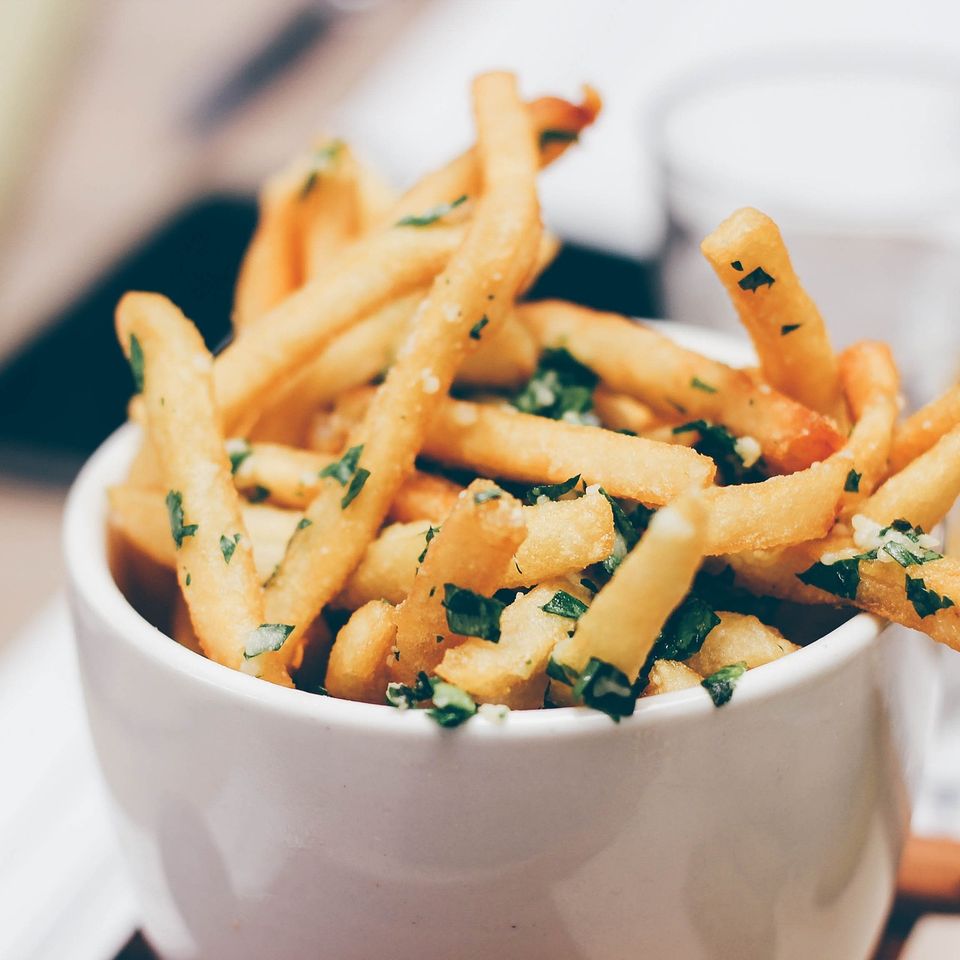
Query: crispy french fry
column 219, row 583
column 424, row 495
column 738, row 637
column 473, row 546
column 357, row 668
column 481, row 280
column 667, row 676
column 512, row 671
column 276, row 347
column 182, row 628
column 749, row 256
column 502, row 442
column 625, row 618
column 505, row 358
column 623, row 413
column 562, row 538
column 920, row 431
column 645, row 364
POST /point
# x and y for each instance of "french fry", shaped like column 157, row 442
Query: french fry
column 481, row 279
column 667, row 676
column 623, row 413
column 677, row 383
column 219, row 583
column 513, row 670
column 562, row 538
column 505, row 358
column 275, row 348
column 738, row 637
column 357, row 668
column 141, row 517
column 923, row 491
column 424, row 496
column 920, row 431
column 502, row 442
column 625, row 618
column 182, row 628
column 473, row 546
column 748, row 255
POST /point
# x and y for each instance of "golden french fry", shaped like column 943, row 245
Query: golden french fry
column 506, row 357
column 513, row 670
column 748, row 255
column 502, row 442
column 666, row 676
column 625, row 617
column 424, row 495
column 463, row 560
column 181, row 628
column 919, row 432
column 481, row 280
column 214, row 558
column 623, row 413
column 678, row 383
column 738, row 637
column 357, row 668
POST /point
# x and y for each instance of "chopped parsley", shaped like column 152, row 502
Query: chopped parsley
column 238, row 450
column 189, row 579
column 906, row 548
column 564, row 604
column 550, row 491
column 720, row 684
column 451, row 705
column 698, row 384
column 472, row 614
column 925, row 601
column 304, row 523
column 356, row 485
column 685, row 630
column 628, row 528
column 323, row 160
column 737, row 265
column 720, row 445
column 403, row 696
column 852, row 483
column 227, row 546
column 348, row 473
column 756, row 279
column 561, row 672
column 789, row 328
column 432, row 531
column 603, row 687
column 178, row 529
column 258, row 493
column 552, row 135
column 136, row 362
column 484, row 495
column 561, row 388
column 432, row 215
column 476, row 329
column 589, row 585
column 267, row 638
column 841, row 578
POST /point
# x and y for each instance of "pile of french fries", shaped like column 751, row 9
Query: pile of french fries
column 402, row 483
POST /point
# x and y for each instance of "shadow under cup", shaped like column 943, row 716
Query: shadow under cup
column 259, row 821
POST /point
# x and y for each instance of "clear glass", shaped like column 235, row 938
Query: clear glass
column 858, row 160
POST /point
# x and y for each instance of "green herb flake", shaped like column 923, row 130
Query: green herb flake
column 178, row 529
column 342, row 470
column 720, row 685
column 737, row 265
column 561, row 672
column 756, row 279
column 258, row 493
column 789, row 328
column 720, row 445
column 268, row 637
column 925, row 601
column 238, row 450
column 432, row 531
column 304, row 523
column 604, row 687
column 323, row 161
column 561, row 388
column 557, row 136
column 563, row 604
column 687, row 627
column 589, row 585
column 484, row 495
column 188, row 580
column 136, row 362
column 472, row 614
column 356, row 485
column 476, row 329
column 451, row 705
column 841, row 578
column 698, row 384
column 852, row 483
column 227, row 546
column 432, row 215
column 550, row 491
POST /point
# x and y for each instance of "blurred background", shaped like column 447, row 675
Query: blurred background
column 134, row 133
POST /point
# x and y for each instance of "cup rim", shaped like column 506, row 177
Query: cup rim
column 92, row 583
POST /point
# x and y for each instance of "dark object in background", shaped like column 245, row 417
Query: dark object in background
column 65, row 391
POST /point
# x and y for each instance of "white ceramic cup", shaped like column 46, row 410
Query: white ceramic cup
column 261, row 822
